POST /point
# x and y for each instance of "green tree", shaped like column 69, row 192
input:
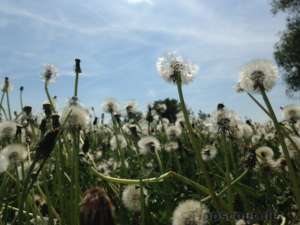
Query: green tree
column 287, row 49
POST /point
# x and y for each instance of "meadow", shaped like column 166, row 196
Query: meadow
column 166, row 165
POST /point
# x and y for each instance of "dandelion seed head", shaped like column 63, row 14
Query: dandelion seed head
column 264, row 153
column 77, row 117
column 131, row 197
column 8, row 129
column 171, row 63
column 290, row 147
column 171, row 146
column 258, row 73
column 190, row 212
column 209, row 152
column 50, row 73
column 110, row 106
column 148, row 144
column 14, row 153
column 173, row 132
column 118, row 141
column 291, row 113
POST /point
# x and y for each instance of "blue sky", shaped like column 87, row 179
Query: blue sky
column 119, row 42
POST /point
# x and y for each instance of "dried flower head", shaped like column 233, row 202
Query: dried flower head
column 50, row 73
column 8, row 130
column 148, row 144
column 15, row 153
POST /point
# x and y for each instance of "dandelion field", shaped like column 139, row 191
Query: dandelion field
column 162, row 166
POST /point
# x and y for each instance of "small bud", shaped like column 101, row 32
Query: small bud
column 21, row 88
column 46, row 145
column 55, row 121
column 27, row 110
column 220, row 106
column 77, row 66
column 47, row 109
column 96, row 208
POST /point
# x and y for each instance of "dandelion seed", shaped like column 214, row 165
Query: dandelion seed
column 50, row 73
column 170, row 64
column 258, row 73
column 148, row 144
column 190, row 212
column 131, row 197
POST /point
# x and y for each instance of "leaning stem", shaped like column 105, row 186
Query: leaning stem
column 49, row 96
column 8, row 106
column 292, row 172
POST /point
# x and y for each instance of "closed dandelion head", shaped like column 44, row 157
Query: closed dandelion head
column 281, row 165
column 264, row 154
column 8, row 130
column 190, row 212
column 291, row 113
column 131, row 107
column 50, row 73
column 148, row 144
column 172, row 65
column 258, row 73
column 131, row 197
column 118, row 141
column 110, row 106
column 7, row 86
column 15, row 153
column 209, row 152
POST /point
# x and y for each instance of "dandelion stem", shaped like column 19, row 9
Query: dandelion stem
column 8, row 106
column 49, row 96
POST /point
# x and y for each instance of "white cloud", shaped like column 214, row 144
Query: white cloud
column 150, row 2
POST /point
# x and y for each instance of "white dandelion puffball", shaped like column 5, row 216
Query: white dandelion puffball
column 77, row 117
column 148, row 144
column 190, row 212
column 291, row 112
column 4, row 163
column 131, row 197
column 171, row 146
column 264, row 154
column 171, row 63
column 110, row 106
column 290, row 146
column 173, row 132
column 256, row 73
column 209, row 152
column 14, row 153
column 118, row 141
column 8, row 129
column 50, row 73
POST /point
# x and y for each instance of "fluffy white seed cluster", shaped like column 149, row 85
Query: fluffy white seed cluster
column 8, row 129
column 190, row 212
column 110, row 105
column 258, row 73
column 291, row 112
column 171, row 63
column 118, row 141
column 148, row 144
column 76, row 116
column 50, row 73
column 209, row 152
column 131, row 197
column 12, row 154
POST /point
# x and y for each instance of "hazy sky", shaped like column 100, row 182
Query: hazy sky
column 119, row 42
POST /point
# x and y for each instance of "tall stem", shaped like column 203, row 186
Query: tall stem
column 76, row 84
column 8, row 106
column 49, row 96
column 196, row 146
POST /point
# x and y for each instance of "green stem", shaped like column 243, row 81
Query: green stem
column 76, row 85
column 49, row 96
column 196, row 146
column 292, row 172
column 8, row 106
